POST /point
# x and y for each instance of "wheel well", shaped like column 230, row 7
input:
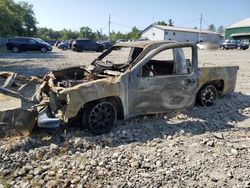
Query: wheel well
column 115, row 100
column 219, row 84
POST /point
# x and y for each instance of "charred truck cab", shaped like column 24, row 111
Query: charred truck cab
column 130, row 79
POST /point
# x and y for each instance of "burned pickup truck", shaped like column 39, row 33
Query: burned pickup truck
column 127, row 80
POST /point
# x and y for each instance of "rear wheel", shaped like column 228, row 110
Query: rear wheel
column 207, row 95
column 99, row 49
column 80, row 49
column 99, row 117
column 15, row 49
column 43, row 50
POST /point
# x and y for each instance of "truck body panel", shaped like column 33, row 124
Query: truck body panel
column 66, row 92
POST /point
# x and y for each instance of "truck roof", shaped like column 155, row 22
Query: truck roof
column 143, row 44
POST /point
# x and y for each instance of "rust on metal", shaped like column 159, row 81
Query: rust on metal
column 132, row 86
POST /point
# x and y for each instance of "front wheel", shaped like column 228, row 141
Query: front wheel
column 207, row 95
column 99, row 49
column 99, row 117
column 15, row 49
column 43, row 50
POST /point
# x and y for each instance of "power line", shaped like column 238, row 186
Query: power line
column 124, row 25
column 197, row 19
column 205, row 22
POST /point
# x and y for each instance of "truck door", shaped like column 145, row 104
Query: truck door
column 165, row 79
column 89, row 45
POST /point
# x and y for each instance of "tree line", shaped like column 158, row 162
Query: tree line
column 85, row 32
column 18, row 19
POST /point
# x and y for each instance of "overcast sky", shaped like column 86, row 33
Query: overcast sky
column 73, row 14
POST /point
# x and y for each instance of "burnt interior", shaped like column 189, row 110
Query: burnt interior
column 78, row 75
column 157, row 68
column 74, row 76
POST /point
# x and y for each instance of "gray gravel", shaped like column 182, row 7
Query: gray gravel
column 201, row 147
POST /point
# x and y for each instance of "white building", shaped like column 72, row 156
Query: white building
column 181, row 34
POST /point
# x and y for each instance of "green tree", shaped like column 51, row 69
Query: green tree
column 29, row 20
column 221, row 29
column 86, row 32
column 211, row 27
column 16, row 19
column 133, row 34
column 69, row 34
column 170, row 22
column 98, row 35
column 161, row 23
column 49, row 34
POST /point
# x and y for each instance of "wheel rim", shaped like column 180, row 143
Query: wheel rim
column 102, row 117
column 43, row 50
column 208, row 96
column 15, row 49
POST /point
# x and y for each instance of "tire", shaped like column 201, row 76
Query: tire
column 15, row 49
column 64, row 48
column 207, row 95
column 43, row 50
column 80, row 49
column 99, row 117
column 99, row 49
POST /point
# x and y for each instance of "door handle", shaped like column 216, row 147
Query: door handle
column 189, row 81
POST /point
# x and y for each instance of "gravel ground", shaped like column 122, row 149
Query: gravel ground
column 201, row 147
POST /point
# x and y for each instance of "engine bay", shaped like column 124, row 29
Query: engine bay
column 74, row 76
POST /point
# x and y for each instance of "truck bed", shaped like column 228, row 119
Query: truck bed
column 225, row 74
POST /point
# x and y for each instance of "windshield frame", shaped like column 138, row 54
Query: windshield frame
column 107, row 52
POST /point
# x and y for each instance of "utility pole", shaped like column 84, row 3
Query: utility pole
column 200, row 28
column 109, row 27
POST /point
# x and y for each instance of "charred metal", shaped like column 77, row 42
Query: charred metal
column 106, row 90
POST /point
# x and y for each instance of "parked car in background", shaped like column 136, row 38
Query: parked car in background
column 57, row 43
column 19, row 44
column 241, row 46
column 120, row 40
column 107, row 44
column 207, row 46
column 80, row 45
column 64, row 45
column 228, row 44
column 233, row 44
